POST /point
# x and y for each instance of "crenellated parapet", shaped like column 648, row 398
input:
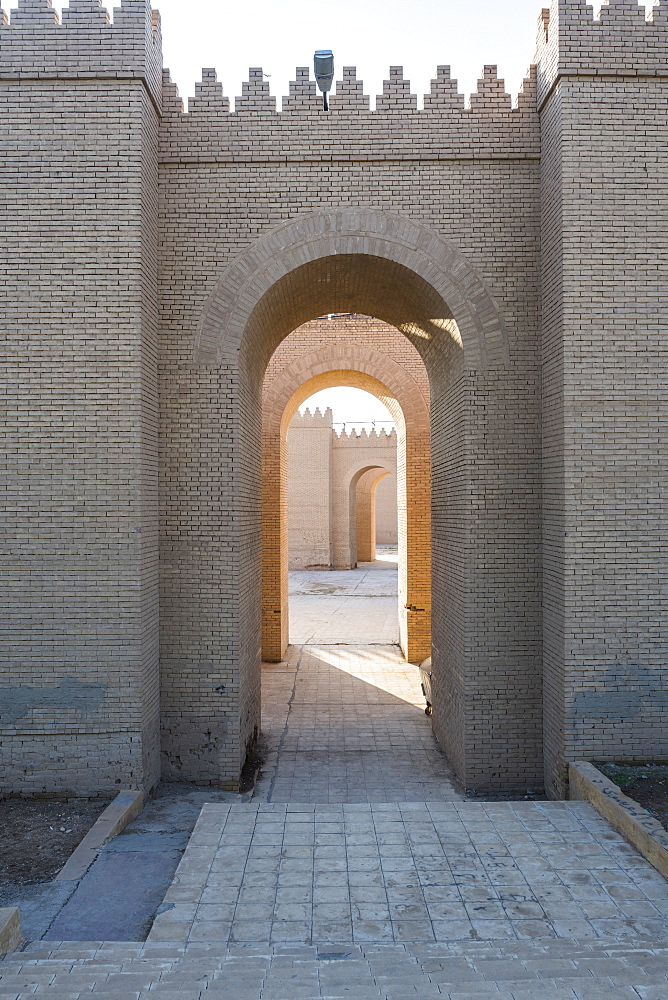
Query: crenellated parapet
column 255, row 95
column 621, row 42
column 209, row 98
column 315, row 418
column 396, row 98
column 363, row 438
column 88, row 43
column 303, row 98
column 86, row 14
column 444, row 94
column 491, row 92
column 443, row 128
column 349, row 98
column 343, row 437
column 172, row 103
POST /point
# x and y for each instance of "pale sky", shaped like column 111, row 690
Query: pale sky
column 354, row 407
column 370, row 34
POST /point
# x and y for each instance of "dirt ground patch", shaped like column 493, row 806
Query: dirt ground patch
column 646, row 784
column 37, row 836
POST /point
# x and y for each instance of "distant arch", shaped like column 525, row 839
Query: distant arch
column 365, row 513
column 368, row 369
column 356, row 474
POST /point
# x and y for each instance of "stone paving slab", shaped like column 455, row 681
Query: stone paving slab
column 410, row 872
column 352, row 620
column 374, row 776
column 502, row 970
column 358, row 606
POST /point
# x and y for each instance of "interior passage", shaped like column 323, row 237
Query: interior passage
column 346, row 723
column 354, row 606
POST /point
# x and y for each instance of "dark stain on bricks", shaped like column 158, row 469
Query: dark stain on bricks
column 623, row 693
column 18, row 701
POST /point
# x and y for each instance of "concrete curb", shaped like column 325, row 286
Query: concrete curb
column 10, row 929
column 115, row 818
column 640, row 828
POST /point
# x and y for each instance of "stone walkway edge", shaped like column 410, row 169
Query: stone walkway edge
column 507, row 970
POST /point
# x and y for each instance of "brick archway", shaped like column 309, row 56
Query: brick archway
column 365, row 513
column 353, row 490
column 368, row 369
column 485, row 502
column 441, row 281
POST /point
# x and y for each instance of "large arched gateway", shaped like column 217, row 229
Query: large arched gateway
column 485, row 589
column 155, row 260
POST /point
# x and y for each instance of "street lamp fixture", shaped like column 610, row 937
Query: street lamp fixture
column 323, row 65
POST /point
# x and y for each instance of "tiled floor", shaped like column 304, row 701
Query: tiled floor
column 359, row 870
column 346, row 606
column 358, row 834
column 347, row 724
column 416, row 872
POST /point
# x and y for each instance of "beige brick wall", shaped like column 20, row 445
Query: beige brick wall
column 604, row 112
column 310, row 441
column 79, row 697
column 455, row 225
column 385, row 504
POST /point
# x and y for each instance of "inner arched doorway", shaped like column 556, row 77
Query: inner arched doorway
column 361, row 512
column 484, row 509
column 365, row 512
column 404, row 398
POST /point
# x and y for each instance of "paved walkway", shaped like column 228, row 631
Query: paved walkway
column 415, row 872
column 355, row 606
column 471, row 970
column 347, row 724
column 342, row 845
column 359, row 870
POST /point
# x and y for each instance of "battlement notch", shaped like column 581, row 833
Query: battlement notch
column 34, row 44
column 621, row 41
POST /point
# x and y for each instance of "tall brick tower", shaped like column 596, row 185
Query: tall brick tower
column 80, row 107
column 603, row 101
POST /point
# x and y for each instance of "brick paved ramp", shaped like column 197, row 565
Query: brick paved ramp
column 506, row 970
column 361, row 873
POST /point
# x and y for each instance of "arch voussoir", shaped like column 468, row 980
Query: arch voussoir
column 365, row 232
